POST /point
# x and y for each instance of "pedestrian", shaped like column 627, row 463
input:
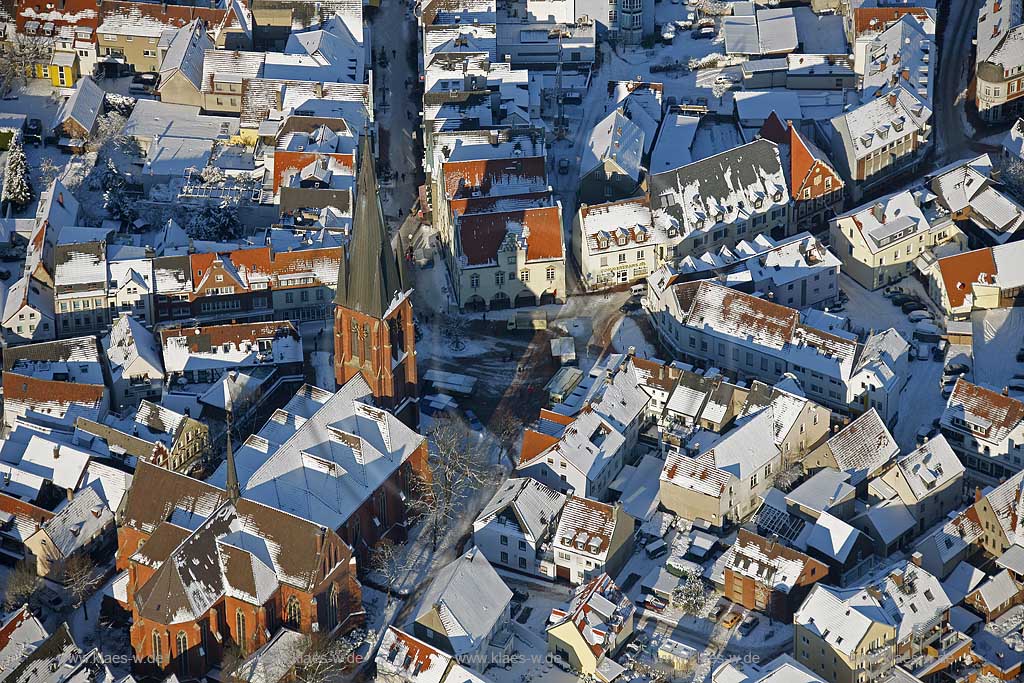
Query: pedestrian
column 403, row 177
column 393, row 53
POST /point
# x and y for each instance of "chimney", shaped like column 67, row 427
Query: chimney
column 60, row 198
column 56, row 451
column 70, row 494
column 977, row 494
column 915, row 559
column 892, row 99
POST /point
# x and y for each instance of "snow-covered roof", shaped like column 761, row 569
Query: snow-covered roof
column 469, row 599
column 598, row 610
column 20, row 634
column 587, row 527
column 128, row 342
column 895, row 114
column 930, row 467
column 230, row 347
column 735, row 185
column 79, row 522
column 322, row 455
column 782, row 669
column 841, row 617
column 27, row 291
column 1009, row 53
column 532, row 503
column 986, row 415
column 109, row 483
column 1013, row 143
column 901, row 55
column 185, row 53
column 825, row 488
column 273, row 662
column 615, row 138
column 675, row 140
column 913, row 598
column 832, row 537
column 754, row 106
column 410, row 659
column 767, row 562
column 999, row 590
column 152, row 119
column 863, row 446
column 625, row 224
column 83, row 106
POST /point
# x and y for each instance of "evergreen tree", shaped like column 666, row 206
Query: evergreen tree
column 17, row 190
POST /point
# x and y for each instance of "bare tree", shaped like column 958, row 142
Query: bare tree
column 48, row 171
column 507, row 428
column 109, row 135
column 326, row 657
column 19, row 56
column 456, row 465
column 719, row 88
column 21, row 584
column 81, row 577
column 388, row 561
column 788, row 476
column 453, row 329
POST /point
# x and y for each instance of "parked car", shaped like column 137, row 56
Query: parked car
column 144, row 82
column 957, row 368
column 563, row 166
column 919, row 316
column 912, row 306
column 33, row 132
column 836, row 307
column 668, row 33
column 731, row 619
column 655, row 604
column 717, row 612
column 750, row 622
column 704, row 33
column 900, row 299
column 630, row 306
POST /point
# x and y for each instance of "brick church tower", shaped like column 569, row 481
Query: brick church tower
column 373, row 322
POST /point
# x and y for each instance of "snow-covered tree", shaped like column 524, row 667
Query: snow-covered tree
column 215, row 222
column 212, row 174
column 327, row 658
column 1013, row 178
column 453, row 329
column 48, row 170
column 457, row 465
column 18, row 57
column 81, row 578
column 706, row 62
column 17, row 190
column 389, row 562
column 788, row 476
column 719, row 88
column 715, row 8
column 691, row 595
column 109, row 134
column 21, row 585
column 116, row 201
column 122, row 104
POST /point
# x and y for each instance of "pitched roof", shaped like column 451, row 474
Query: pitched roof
column 533, row 505
column 78, row 522
column 841, row 617
column 998, row 590
column 185, row 54
column 991, row 415
column 83, row 106
column 20, row 633
column 863, row 446
column 369, row 279
column 539, row 230
column 930, row 467
column 469, row 599
column 587, row 526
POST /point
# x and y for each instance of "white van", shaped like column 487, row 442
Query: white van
column 638, row 290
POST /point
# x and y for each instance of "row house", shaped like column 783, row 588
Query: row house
column 51, row 383
column 517, row 522
column 986, row 430
column 723, row 199
column 80, row 281
column 314, row 165
column 929, row 482
column 766, row 575
column 582, row 444
column 816, row 189
column 708, row 323
column 153, row 433
column 723, row 484
column 982, row 279
column 999, row 67
column 592, row 538
column 881, row 139
column 401, row 657
column 136, row 364
column 617, row 243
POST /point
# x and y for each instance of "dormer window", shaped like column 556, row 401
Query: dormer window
column 621, row 241
column 602, row 243
column 641, row 235
column 758, row 203
column 777, row 197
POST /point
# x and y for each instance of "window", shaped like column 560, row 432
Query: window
column 293, row 613
column 622, row 257
column 524, row 275
column 828, row 183
column 522, row 563
column 182, row 653
column 522, row 545
column 289, row 297
column 504, row 557
column 550, row 273
column 474, row 281
column 504, row 540
column 157, row 654
column 240, row 629
column 499, row 279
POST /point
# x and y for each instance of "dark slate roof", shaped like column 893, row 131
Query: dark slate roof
column 368, row 276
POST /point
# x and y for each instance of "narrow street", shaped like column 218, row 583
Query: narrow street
column 955, row 67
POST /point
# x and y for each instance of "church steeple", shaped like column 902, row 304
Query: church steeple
column 368, row 277
column 234, row 493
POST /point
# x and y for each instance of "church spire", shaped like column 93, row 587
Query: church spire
column 368, row 276
column 232, row 476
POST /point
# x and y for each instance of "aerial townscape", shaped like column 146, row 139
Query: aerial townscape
column 511, row 341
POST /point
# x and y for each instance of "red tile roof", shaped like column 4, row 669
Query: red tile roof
column 959, row 272
column 22, row 388
column 462, row 178
column 205, row 338
column 534, row 443
column 481, row 235
column 878, row 18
